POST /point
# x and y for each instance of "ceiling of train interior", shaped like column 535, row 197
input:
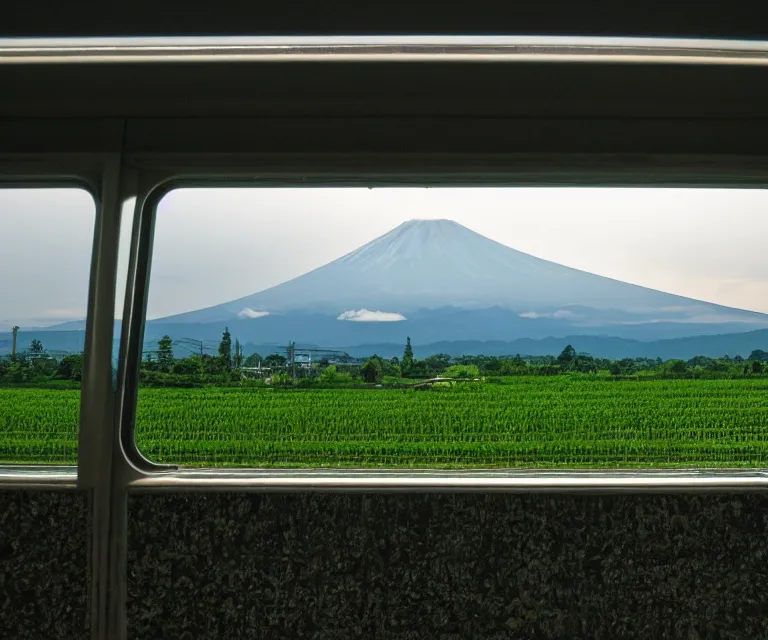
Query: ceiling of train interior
column 658, row 18
column 388, row 106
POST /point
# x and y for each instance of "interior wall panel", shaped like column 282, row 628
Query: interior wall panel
column 44, row 564
column 447, row 566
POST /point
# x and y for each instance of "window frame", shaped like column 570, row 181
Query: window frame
column 85, row 173
column 159, row 174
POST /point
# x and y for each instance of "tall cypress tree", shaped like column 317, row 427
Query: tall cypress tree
column 407, row 364
column 165, row 352
column 225, row 349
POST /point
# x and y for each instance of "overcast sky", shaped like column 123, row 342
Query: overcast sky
column 212, row 246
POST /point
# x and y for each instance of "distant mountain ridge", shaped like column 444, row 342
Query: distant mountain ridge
column 715, row 346
column 599, row 346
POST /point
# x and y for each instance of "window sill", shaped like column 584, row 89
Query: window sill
column 23, row 477
column 343, row 480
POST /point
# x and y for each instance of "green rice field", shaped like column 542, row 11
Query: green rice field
column 555, row 422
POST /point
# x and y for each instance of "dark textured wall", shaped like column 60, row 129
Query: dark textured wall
column 43, row 565
column 448, row 566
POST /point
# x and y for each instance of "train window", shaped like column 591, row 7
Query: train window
column 45, row 254
column 457, row 327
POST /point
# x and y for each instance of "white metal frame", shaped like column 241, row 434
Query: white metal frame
column 160, row 174
column 494, row 49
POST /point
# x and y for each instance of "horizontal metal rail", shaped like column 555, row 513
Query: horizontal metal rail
column 391, row 49
column 356, row 480
column 22, row 477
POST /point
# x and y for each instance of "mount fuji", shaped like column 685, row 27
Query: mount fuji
column 439, row 282
column 442, row 271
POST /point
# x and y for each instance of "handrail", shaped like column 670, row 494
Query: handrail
column 387, row 480
column 22, row 477
column 383, row 48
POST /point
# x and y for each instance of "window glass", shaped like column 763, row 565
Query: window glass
column 45, row 254
column 457, row 327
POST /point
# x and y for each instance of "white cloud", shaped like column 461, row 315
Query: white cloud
column 246, row 312
column 560, row 314
column 364, row 315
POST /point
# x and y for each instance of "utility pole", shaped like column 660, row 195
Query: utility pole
column 13, row 347
column 292, row 357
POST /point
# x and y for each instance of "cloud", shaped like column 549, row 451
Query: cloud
column 700, row 319
column 364, row 315
column 247, row 312
column 560, row 314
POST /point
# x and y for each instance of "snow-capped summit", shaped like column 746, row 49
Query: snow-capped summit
column 414, row 242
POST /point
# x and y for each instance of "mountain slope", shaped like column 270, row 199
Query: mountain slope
column 434, row 264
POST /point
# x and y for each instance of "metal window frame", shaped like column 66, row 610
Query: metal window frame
column 279, row 49
column 106, row 431
column 157, row 174
column 100, row 174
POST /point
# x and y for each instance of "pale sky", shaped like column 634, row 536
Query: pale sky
column 214, row 245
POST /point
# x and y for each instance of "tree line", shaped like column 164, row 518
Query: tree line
column 162, row 367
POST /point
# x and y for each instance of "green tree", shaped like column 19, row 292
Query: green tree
column 675, row 367
column 252, row 360
column 275, row 360
column 328, row 374
column 758, row 354
column 702, row 361
column 566, row 357
column 212, row 365
column 331, row 376
column 513, row 367
column 189, row 366
column 757, row 366
column 225, row 349
column 386, row 367
column 165, row 353
column 71, row 367
column 437, row 363
column 36, row 346
column 462, row 371
column 371, row 371
column 407, row 363
column 14, row 373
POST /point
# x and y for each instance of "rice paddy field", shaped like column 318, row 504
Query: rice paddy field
column 555, row 422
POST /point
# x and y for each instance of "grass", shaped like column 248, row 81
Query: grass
column 557, row 422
